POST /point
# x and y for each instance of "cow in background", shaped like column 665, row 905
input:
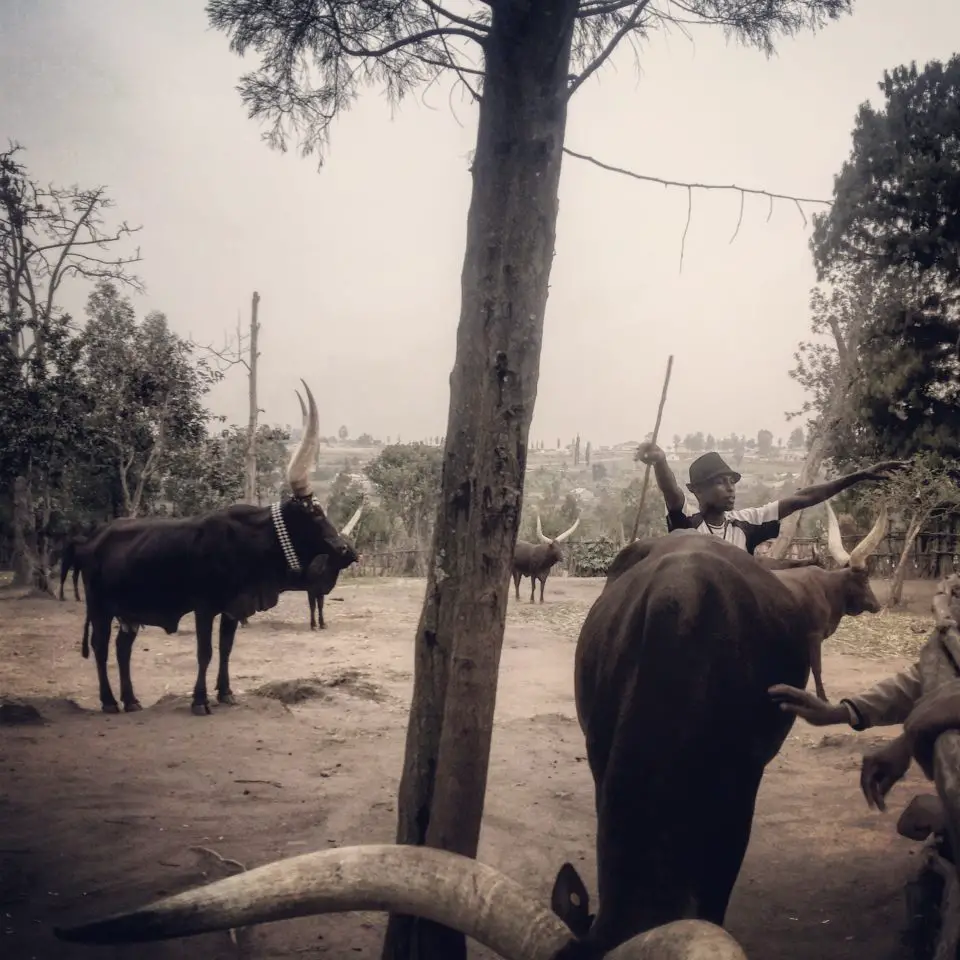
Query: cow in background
column 536, row 560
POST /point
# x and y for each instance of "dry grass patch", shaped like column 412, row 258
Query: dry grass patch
column 882, row 636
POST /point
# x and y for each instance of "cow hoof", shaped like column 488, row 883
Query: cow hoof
column 132, row 707
column 110, row 708
column 313, row 626
column 200, row 709
column 227, row 699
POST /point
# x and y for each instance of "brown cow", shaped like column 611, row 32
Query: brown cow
column 536, row 560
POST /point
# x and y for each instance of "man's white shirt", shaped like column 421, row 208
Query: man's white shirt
column 746, row 528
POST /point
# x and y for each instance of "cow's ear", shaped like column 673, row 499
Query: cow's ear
column 570, row 901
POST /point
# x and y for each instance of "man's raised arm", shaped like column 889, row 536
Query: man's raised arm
column 651, row 454
column 811, row 496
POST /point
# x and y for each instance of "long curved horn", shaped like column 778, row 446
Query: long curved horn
column 566, row 533
column 860, row 553
column 351, row 523
column 834, row 540
column 298, row 472
column 303, row 410
column 540, row 533
column 446, row 888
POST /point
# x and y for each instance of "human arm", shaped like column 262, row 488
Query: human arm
column 819, row 492
column 884, row 704
column 652, row 455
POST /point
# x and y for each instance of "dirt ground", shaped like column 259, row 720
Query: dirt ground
column 100, row 813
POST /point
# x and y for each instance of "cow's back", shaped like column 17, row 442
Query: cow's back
column 156, row 570
column 672, row 667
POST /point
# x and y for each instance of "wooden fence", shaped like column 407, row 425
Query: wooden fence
column 934, row 556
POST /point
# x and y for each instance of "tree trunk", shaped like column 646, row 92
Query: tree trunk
column 25, row 560
column 250, row 459
column 808, row 475
column 900, row 573
column 511, row 230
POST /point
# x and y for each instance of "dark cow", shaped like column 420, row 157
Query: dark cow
column 68, row 562
column 319, row 588
column 232, row 562
column 672, row 669
column 320, row 582
column 72, row 557
column 536, row 560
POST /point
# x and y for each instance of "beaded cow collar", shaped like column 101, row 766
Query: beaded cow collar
column 284, row 537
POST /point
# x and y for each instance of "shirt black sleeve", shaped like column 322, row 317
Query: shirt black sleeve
column 678, row 520
column 758, row 533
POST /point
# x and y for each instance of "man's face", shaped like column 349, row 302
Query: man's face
column 718, row 493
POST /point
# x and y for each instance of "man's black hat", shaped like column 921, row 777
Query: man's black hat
column 709, row 466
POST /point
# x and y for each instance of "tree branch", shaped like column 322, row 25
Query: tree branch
column 600, row 9
column 612, row 44
column 690, row 187
column 453, row 18
column 409, row 41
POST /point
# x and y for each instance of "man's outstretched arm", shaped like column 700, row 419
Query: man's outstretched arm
column 651, row 454
column 811, row 496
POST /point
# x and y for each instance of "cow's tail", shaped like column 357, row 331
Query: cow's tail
column 85, row 645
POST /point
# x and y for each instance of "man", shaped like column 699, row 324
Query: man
column 714, row 483
column 886, row 703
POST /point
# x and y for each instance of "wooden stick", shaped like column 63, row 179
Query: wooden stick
column 656, row 431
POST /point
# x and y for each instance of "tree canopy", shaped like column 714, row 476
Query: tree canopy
column 885, row 383
column 897, row 198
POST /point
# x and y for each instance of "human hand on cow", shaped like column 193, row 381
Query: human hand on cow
column 650, row 454
column 808, row 706
column 881, row 769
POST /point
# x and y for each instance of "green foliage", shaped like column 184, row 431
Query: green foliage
column 890, row 249
column 797, row 439
column 149, row 389
column 593, row 559
column 407, row 477
column 897, row 199
column 764, row 443
column 928, row 490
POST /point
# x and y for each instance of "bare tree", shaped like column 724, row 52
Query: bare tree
column 829, row 370
column 231, row 354
column 48, row 235
column 250, row 457
column 522, row 62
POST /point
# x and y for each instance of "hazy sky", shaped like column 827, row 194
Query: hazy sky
column 358, row 265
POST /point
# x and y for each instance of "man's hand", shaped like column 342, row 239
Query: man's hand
column 882, row 769
column 884, row 470
column 808, row 706
column 650, row 454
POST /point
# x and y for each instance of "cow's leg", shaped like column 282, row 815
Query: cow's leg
column 228, row 630
column 125, row 637
column 312, row 600
column 816, row 664
column 323, row 625
column 733, row 796
column 517, row 577
column 100, row 641
column 201, row 705
column 543, row 583
column 76, row 589
column 533, row 587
